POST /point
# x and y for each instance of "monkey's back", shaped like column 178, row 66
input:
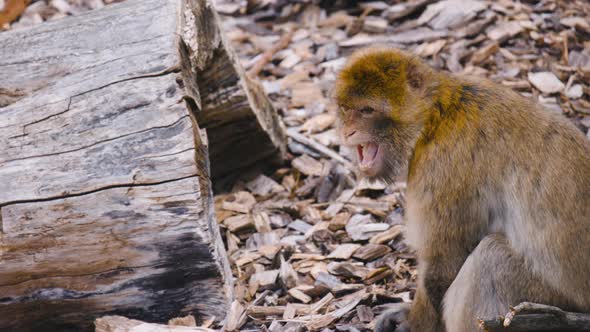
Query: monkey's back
column 526, row 169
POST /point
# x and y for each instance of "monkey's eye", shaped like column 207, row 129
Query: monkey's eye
column 367, row 110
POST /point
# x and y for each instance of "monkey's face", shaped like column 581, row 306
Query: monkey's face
column 360, row 130
column 380, row 98
column 382, row 145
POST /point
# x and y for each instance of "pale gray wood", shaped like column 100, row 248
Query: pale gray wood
column 122, row 324
column 105, row 198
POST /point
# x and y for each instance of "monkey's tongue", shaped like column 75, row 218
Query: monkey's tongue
column 367, row 153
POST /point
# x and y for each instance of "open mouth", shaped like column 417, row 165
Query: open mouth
column 368, row 155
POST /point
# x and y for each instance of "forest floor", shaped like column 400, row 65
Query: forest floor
column 318, row 249
column 312, row 247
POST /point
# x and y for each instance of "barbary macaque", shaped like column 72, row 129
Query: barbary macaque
column 498, row 188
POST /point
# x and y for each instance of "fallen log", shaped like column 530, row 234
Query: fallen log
column 122, row 324
column 537, row 317
column 106, row 201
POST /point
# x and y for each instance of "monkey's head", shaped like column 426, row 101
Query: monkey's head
column 382, row 99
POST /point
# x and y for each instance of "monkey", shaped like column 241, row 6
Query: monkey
column 498, row 188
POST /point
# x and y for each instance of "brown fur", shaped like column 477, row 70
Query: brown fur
column 498, row 198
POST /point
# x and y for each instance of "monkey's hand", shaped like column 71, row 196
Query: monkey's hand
column 394, row 320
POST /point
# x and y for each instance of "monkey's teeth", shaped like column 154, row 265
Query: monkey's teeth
column 359, row 149
column 367, row 153
column 371, row 151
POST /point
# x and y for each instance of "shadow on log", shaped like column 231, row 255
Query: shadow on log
column 106, row 201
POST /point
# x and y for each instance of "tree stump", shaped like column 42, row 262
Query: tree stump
column 106, row 204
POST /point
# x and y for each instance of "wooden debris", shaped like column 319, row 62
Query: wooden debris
column 239, row 223
column 344, row 251
column 361, row 227
column 546, row 82
column 504, row 30
column 266, row 311
column 325, row 320
column 262, row 185
column 309, row 166
column 364, row 313
column 265, row 280
column 387, row 235
column 267, row 55
column 183, row 321
column 288, row 276
column 299, row 295
column 485, row 52
column 241, row 202
column 449, row 14
column 236, row 317
column 371, row 252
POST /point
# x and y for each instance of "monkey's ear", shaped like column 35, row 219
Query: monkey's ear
column 414, row 76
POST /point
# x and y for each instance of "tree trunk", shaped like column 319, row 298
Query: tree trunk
column 106, row 203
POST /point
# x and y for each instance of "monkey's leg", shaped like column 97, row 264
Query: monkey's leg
column 492, row 279
column 424, row 314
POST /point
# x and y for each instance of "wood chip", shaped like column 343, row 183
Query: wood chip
column 364, row 313
column 265, row 280
column 387, row 235
column 239, row 223
column 449, row 14
column 241, row 201
column 403, row 9
column 348, row 270
column 546, row 82
column 361, row 227
column 287, row 274
column 325, row 320
column 319, row 123
column 485, row 52
column 377, row 274
column 264, row 311
column 344, row 251
column 504, row 30
column 371, row 252
column 305, row 94
column 236, row 317
column 188, row 320
column 299, row 295
column 262, row 185
column 290, row 311
column 575, row 91
column 309, row 166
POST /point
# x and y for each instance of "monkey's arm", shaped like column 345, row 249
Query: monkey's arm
column 425, row 313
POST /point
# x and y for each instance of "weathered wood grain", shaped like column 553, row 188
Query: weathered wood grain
column 105, row 194
column 140, row 251
column 242, row 125
column 122, row 324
